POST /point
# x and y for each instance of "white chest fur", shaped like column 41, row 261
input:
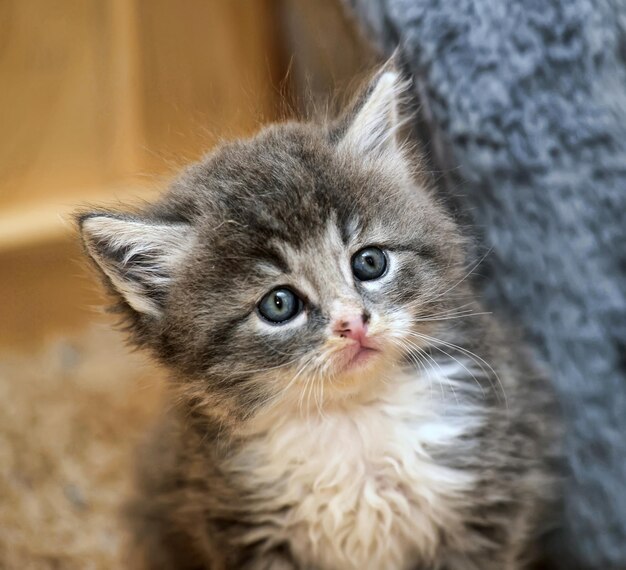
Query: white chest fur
column 360, row 489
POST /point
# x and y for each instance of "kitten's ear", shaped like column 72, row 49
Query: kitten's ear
column 137, row 257
column 372, row 125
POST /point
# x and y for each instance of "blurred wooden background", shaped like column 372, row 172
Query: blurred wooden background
column 102, row 100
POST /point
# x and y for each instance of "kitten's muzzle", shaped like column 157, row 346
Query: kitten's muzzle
column 354, row 327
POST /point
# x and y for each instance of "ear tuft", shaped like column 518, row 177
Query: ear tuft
column 137, row 257
column 374, row 126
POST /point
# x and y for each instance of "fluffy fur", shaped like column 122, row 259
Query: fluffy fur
column 283, row 451
column 524, row 104
column 377, row 498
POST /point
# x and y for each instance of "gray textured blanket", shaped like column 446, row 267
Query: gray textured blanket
column 528, row 99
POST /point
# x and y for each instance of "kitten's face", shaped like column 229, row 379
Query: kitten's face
column 293, row 270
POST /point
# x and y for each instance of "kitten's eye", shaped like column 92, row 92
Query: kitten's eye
column 280, row 305
column 369, row 263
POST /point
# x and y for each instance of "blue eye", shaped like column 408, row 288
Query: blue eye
column 369, row 263
column 280, row 305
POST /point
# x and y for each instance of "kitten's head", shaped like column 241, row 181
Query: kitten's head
column 306, row 260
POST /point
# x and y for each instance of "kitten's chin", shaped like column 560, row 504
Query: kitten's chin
column 359, row 369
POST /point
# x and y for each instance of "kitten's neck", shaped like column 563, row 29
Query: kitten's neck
column 439, row 385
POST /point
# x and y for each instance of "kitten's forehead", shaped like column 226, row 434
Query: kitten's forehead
column 320, row 264
column 284, row 186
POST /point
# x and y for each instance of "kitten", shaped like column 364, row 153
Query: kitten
column 339, row 398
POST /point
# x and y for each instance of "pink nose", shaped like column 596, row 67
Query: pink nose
column 352, row 326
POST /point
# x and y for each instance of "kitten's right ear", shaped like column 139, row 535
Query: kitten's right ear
column 137, row 257
column 371, row 125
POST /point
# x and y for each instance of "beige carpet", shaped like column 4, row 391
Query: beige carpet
column 70, row 418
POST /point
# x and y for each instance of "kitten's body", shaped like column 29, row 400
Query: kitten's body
column 282, row 450
column 429, row 473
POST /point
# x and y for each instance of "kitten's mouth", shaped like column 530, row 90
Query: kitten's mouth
column 358, row 354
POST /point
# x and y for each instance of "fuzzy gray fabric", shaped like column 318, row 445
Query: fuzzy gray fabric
column 528, row 99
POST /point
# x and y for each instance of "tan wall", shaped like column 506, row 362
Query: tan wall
column 99, row 101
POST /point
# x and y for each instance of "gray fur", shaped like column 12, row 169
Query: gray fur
column 257, row 209
column 528, row 99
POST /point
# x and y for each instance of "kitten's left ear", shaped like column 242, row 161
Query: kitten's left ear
column 371, row 127
column 137, row 257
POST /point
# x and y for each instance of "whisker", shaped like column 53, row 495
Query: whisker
column 434, row 361
column 460, row 364
column 407, row 349
column 478, row 359
column 450, row 317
